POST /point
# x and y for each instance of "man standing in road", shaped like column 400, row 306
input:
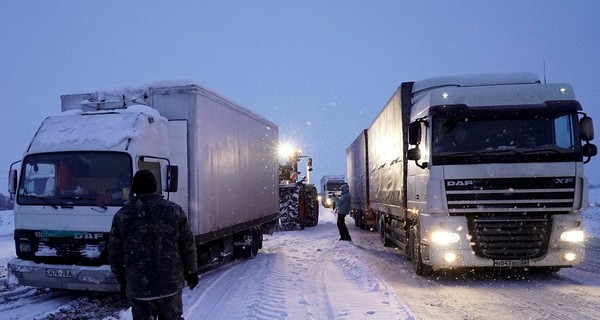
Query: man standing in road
column 343, row 208
column 152, row 251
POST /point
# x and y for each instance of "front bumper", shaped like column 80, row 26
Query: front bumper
column 71, row 277
column 463, row 253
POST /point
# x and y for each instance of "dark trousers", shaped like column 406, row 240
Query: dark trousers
column 169, row 308
column 341, row 224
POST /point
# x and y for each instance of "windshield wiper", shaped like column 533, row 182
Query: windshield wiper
column 44, row 199
column 91, row 199
column 545, row 150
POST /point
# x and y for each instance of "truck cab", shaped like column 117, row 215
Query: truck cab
column 70, row 185
column 497, row 174
column 331, row 189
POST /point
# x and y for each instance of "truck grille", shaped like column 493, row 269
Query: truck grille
column 518, row 196
column 62, row 247
column 510, row 218
column 505, row 237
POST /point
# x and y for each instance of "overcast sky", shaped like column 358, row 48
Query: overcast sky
column 321, row 70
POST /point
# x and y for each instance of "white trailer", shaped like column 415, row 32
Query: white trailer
column 479, row 171
column 214, row 158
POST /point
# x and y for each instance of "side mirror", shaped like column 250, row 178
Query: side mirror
column 414, row 154
column 414, row 133
column 589, row 150
column 172, row 178
column 586, row 126
column 12, row 181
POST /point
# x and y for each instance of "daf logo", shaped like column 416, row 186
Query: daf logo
column 459, row 183
column 562, row 180
column 89, row 236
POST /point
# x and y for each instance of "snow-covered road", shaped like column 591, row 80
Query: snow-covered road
column 299, row 275
column 309, row 274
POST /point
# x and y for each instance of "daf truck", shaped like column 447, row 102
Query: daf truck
column 477, row 171
column 214, row 158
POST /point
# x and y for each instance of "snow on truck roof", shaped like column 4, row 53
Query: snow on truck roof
column 88, row 130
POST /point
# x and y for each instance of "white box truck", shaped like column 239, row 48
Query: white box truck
column 478, row 171
column 214, row 158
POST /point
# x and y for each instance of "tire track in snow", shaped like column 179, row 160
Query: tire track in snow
column 248, row 289
column 355, row 293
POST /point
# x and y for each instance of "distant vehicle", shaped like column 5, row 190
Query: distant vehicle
column 448, row 173
column 331, row 189
column 212, row 157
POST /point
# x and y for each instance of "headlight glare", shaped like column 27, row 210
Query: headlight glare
column 444, row 237
column 572, row 236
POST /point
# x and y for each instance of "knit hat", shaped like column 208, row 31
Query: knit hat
column 344, row 188
column 143, row 182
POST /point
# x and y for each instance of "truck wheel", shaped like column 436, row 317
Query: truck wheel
column 384, row 240
column 415, row 253
column 256, row 242
column 250, row 250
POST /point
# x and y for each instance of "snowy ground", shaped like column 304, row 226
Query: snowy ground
column 310, row 275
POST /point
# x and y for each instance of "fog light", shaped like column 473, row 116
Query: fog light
column 450, row 257
column 444, row 237
column 572, row 236
column 569, row 256
column 25, row 247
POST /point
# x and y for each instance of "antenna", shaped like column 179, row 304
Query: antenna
column 544, row 71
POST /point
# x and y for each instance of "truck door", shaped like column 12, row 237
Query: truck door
column 418, row 173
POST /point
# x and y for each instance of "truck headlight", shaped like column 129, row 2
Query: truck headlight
column 328, row 201
column 25, row 247
column 444, row 237
column 572, row 236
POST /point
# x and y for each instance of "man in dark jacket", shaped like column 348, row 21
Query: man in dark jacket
column 152, row 251
column 343, row 208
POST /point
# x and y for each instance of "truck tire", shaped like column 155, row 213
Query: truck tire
column 384, row 240
column 256, row 242
column 415, row 253
column 249, row 251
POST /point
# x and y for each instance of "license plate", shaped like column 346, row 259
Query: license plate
column 58, row 273
column 511, row 263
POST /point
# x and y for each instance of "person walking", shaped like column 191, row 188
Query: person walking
column 343, row 208
column 152, row 251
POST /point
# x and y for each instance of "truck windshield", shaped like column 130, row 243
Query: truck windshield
column 334, row 186
column 75, row 179
column 484, row 135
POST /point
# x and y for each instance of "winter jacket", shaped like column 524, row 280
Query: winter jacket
column 151, row 246
column 343, row 203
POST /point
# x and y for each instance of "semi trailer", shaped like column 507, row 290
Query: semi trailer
column 476, row 171
column 214, row 158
